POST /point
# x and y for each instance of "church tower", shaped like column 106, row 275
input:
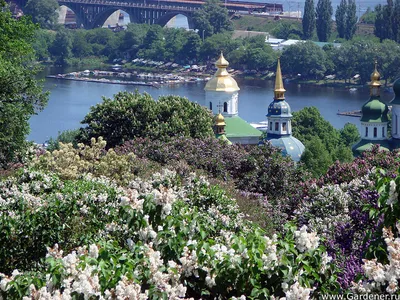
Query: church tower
column 279, row 115
column 219, row 128
column 222, row 93
column 374, row 119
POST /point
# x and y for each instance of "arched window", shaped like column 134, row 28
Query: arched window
column 276, row 126
column 210, row 105
column 375, row 132
column 270, row 125
column 284, row 126
column 366, row 131
column 383, row 131
column 225, row 107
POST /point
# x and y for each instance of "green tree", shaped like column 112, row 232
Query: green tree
column 212, row 18
column 131, row 115
column 368, row 17
column 191, row 48
column 306, row 59
column 21, row 95
column 43, row 12
column 349, row 134
column 351, row 20
column 324, row 19
column 80, row 46
column 379, row 28
column 61, row 48
column 42, row 42
column 316, row 157
column 396, row 21
column 308, row 21
column 340, row 17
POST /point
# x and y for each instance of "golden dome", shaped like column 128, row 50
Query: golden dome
column 375, row 77
column 222, row 81
column 279, row 91
column 220, row 120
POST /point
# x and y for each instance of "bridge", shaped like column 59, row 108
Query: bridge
column 93, row 13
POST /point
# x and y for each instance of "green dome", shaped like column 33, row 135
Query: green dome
column 396, row 89
column 374, row 111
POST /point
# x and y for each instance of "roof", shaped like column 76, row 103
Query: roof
column 222, row 137
column 322, row 44
column 289, row 145
column 374, row 111
column 222, row 81
column 365, row 145
column 269, row 40
column 237, row 127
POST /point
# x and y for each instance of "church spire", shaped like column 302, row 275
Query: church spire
column 375, row 83
column 279, row 91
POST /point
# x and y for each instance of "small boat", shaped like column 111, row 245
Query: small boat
column 352, row 90
column 262, row 126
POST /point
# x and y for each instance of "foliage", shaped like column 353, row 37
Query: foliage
column 61, row 47
column 182, row 240
column 324, row 13
column 324, row 144
column 131, row 115
column 72, row 163
column 212, row 18
column 285, row 29
column 387, row 21
column 340, row 18
column 65, row 137
column 351, row 19
column 368, row 17
column 20, row 93
column 43, row 12
column 310, row 60
column 308, row 21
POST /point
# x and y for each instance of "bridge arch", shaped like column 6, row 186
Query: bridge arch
column 102, row 17
column 164, row 19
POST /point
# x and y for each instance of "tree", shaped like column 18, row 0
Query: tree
column 349, row 134
column 43, row 12
column 324, row 19
column 20, row 94
column 340, row 17
column 191, row 48
column 131, row 115
column 306, row 59
column 379, row 28
column 316, row 157
column 351, row 20
column 61, row 48
column 212, row 18
column 308, row 21
column 42, row 42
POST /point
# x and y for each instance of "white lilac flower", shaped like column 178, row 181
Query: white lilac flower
column 306, row 241
column 93, row 251
column 297, row 292
column 393, row 195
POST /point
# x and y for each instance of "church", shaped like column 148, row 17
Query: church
column 375, row 120
column 222, row 98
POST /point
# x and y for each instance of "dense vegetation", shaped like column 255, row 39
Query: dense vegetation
column 155, row 217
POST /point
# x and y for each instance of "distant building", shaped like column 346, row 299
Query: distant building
column 279, row 131
column 280, row 44
column 222, row 96
column 374, row 119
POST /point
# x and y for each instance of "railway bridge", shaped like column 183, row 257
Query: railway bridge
column 93, row 13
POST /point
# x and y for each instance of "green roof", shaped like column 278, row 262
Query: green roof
column 322, row 44
column 237, row 127
column 222, row 137
column 374, row 110
column 365, row 145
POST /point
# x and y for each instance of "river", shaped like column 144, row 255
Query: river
column 70, row 101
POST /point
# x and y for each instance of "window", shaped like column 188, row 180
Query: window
column 383, row 131
column 375, row 132
column 284, row 126
column 270, row 125
column 225, row 107
column 395, row 128
column 366, row 131
column 276, row 126
column 210, row 105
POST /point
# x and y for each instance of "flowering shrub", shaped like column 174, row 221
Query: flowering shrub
column 335, row 212
column 169, row 237
column 254, row 169
column 70, row 162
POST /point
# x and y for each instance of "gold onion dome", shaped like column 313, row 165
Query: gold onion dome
column 222, row 81
column 279, row 91
column 220, row 120
column 375, row 77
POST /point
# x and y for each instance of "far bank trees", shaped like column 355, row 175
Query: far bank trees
column 324, row 19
